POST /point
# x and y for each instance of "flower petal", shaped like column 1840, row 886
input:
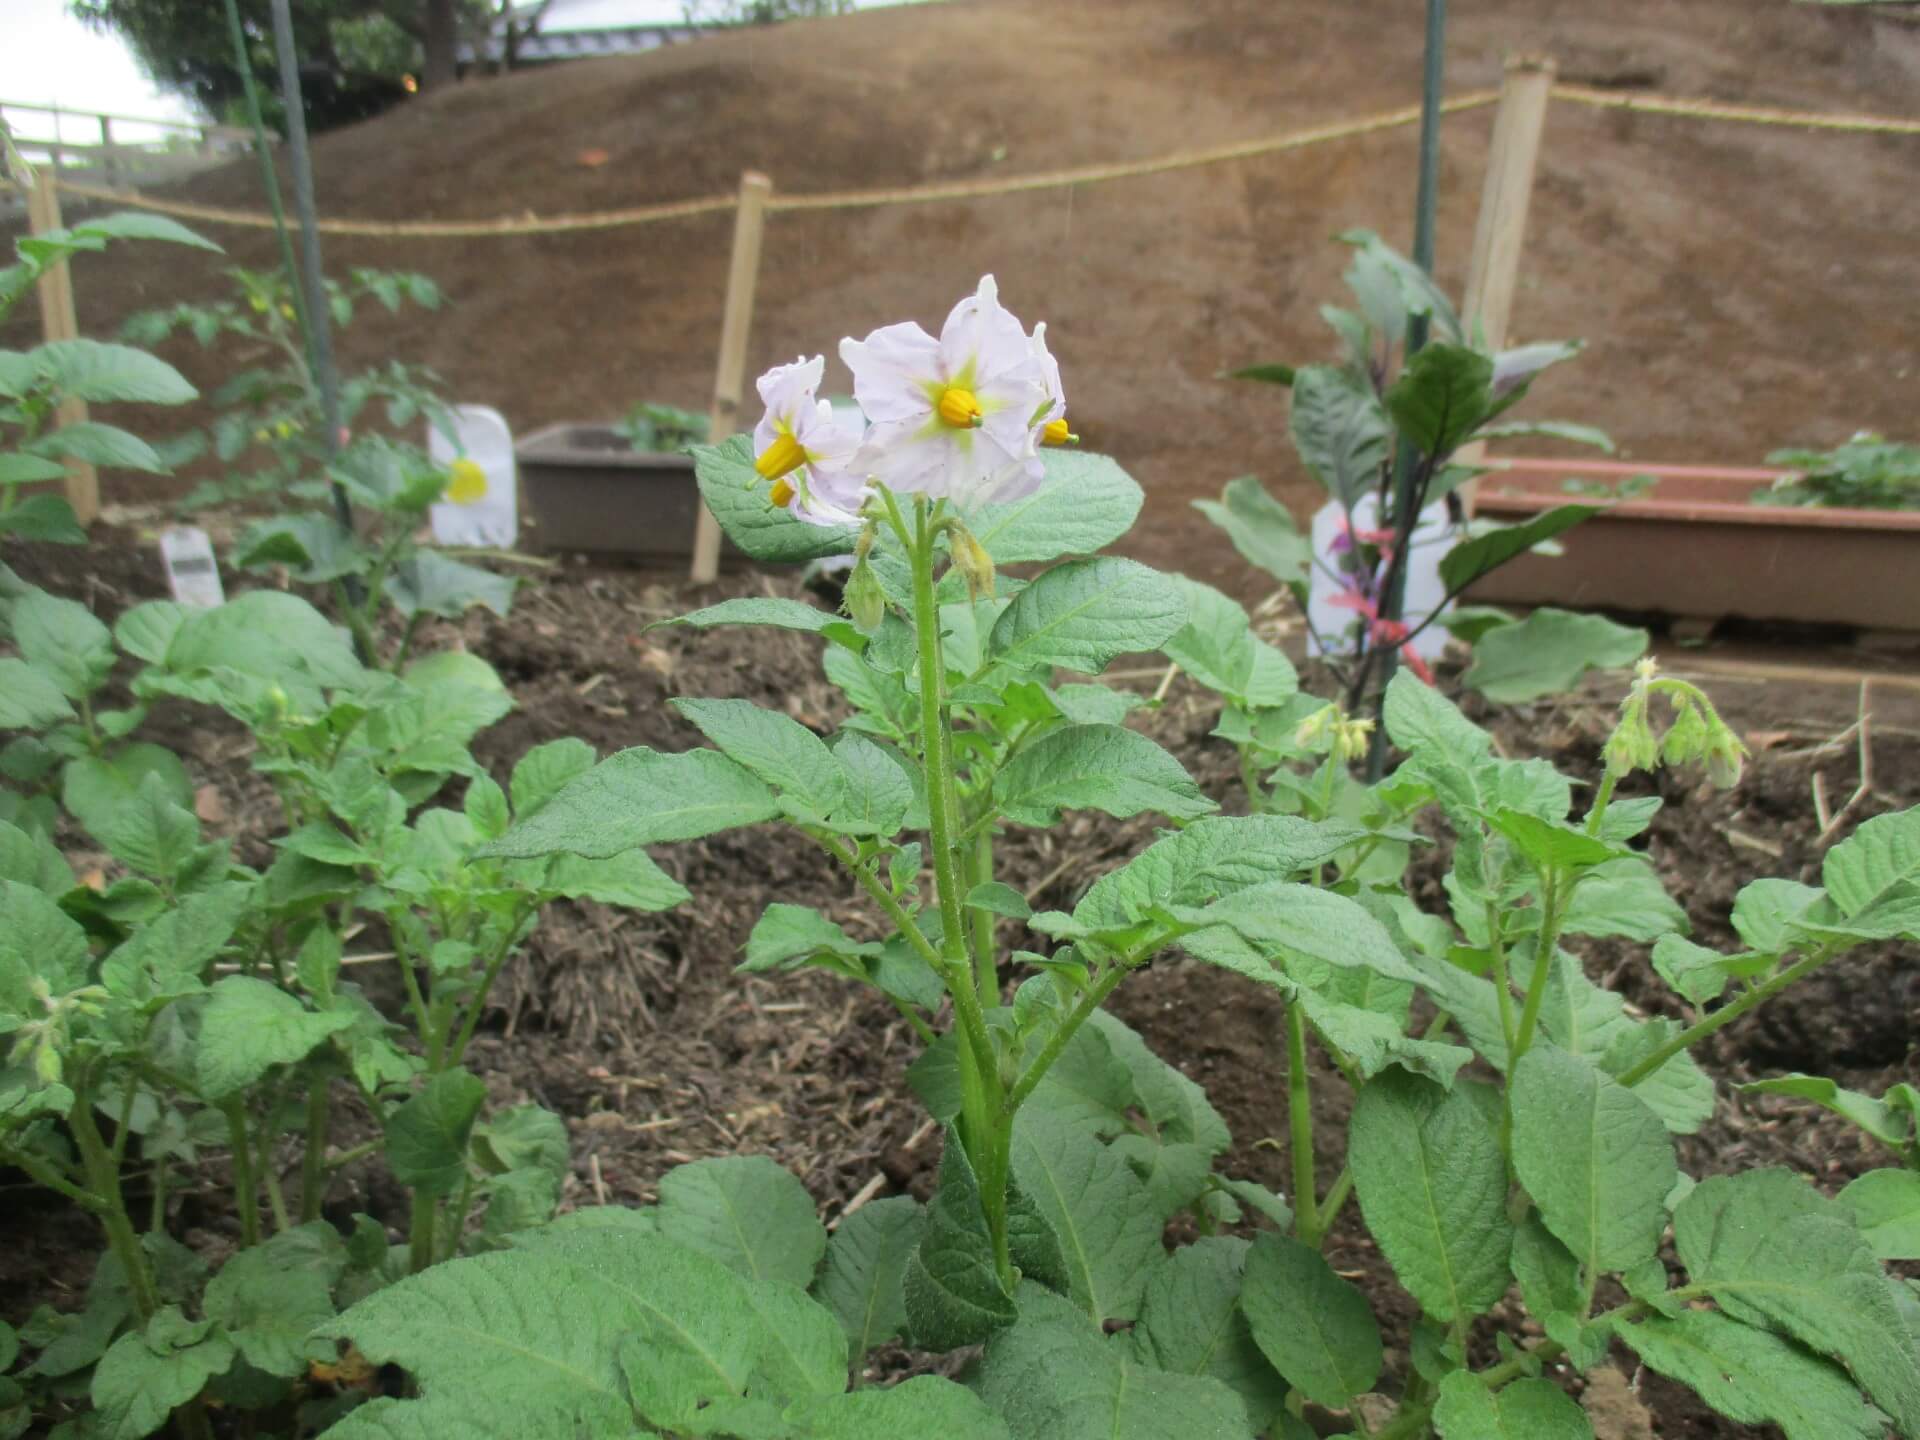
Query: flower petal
column 892, row 369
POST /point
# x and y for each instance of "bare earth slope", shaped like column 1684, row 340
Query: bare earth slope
column 1743, row 287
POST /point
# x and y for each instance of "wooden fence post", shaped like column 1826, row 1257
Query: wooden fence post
column 57, row 323
column 743, row 275
column 1500, row 233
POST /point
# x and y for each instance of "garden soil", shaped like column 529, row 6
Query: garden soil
column 638, row 1031
column 1742, row 287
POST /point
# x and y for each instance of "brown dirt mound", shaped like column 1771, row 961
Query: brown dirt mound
column 1744, row 287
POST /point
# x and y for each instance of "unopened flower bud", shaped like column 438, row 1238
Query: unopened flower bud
column 46, row 1063
column 1686, row 740
column 1352, row 739
column 866, row 602
column 1313, row 729
column 972, row 559
column 1726, row 758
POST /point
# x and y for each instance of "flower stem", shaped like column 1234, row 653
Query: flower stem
column 985, row 1132
column 1545, row 943
column 1728, row 1013
column 1597, row 811
column 1306, row 1209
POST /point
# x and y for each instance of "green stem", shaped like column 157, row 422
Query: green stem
column 157, row 1214
column 406, row 639
column 420, row 1232
column 457, row 1218
column 123, row 1124
column 980, row 872
column 479, row 1004
column 1553, row 909
column 246, row 1194
column 902, row 922
column 45, row 1174
column 313, row 1160
column 103, row 1180
column 1728, row 1013
column 1597, row 812
column 1037, row 1068
column 1300, row 1123
column 986, row 1135
column 1502, row 983
column 347, row 1157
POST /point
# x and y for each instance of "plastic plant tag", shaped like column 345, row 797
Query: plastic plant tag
column 481, row 503
column 1431, row 540
column 192, row 573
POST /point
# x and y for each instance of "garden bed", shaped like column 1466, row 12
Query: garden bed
column 635, row 1028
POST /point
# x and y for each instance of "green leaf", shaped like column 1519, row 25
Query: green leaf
column 1549, row 1275
column 1272, row 374
column 1694, row 971
column 1594, row 1157
column 153, row 835
column 788, row 934
column 146, row 631
column 428, row 582
column 545, row 770
column 34, row 861
column 98, row 792
column 1753, row 1376
column 1522, row 1410
column 1190, row 1324
column 1774, row 1252
column 1177, row 1106
column 141, row 225
column 1765, row 912
column 924, row 1404
column 1441, row 397
column 1875, row 1117
column 272, row 1297
column 37, row 940
column 778, row 749
column 148, row 1373
column 557, row 1333
column 640, row 797
column 952, row 1290
column 29, row 700
column 1485, row 553
column 1552, row 430
column 428, row 1133
column 734, row 491
column 1092, row 704
column 1313, row 1326
column 1551, row 845
column 862, row 1281
column 1218, row 648
column 64, row 641
column 1886, row 1207
column 746, row 1212
column 1085, row 503
column 1871, row 864
column 95, row 371
column 1623, row 897
column 1097, row 1209
column 1432, row 1183
column 315, row 548
column 1260, row 529
column 630, row 880
column 879, row 794
column 22, row 469
column 1339, row 428
column 1547, row 653
column 781, row 614
column 1082, row 614
column 1287, row 919
column 1208, row 860
column 1590, row 1021
column 43, row 517
column 107, row 446
column 1096, row 767
column 167, row 956
column 1053, row 1377
column 250, row 1026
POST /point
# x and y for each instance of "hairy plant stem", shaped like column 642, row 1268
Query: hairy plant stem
column 981, row 922
column 313, row 1160
column 1553, row 911
column 1729, row 1012
column 902, row 922
column 1306, row 1208
column 246, row 1193
column 103, row 1182
column 1597, row 812
column 420, row 1232
column 457, row 1051
column 1037, row 1068
column 985, row 1131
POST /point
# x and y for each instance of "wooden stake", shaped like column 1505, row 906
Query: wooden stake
column 57, row 323
column 1500, row 233
column 730, row 374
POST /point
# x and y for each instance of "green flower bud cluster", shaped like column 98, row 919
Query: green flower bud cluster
column 1695, row 735
column 1330, row 729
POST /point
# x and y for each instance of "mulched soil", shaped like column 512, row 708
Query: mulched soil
column 637, row 1030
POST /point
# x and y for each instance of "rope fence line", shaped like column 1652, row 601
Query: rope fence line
column 531, row 224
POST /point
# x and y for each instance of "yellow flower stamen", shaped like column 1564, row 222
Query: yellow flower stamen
column 782, row 492
column 466, row 482
column 782, row 457
column 958, row 408
column 1055, row 432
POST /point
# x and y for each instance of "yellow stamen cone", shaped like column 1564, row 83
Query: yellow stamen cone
column 1055, row 432
column 782, row 457
column 958, row 408
column 782, row 493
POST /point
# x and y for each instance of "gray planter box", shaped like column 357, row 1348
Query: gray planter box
column 586, row 488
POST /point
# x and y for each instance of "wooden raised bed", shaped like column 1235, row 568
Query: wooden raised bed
column 1695, row 545
column 586, row 488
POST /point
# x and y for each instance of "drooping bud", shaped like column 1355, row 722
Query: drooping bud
column 971, row 559
column 1352, row 739
column 1687, row 738
column 959, row 408
column 1726, row 758
column 1313, row 729
column 866, row 602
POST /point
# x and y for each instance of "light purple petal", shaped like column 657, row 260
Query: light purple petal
column 891, row 370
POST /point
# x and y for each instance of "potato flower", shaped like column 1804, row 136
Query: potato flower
column 803, row 448
column 1050, row 422
column 955, row 416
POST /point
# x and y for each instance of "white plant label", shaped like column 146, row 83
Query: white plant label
column 192, row 572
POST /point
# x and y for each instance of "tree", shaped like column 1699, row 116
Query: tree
column 354, row 54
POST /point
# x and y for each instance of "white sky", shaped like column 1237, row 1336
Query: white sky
column 47, row 57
